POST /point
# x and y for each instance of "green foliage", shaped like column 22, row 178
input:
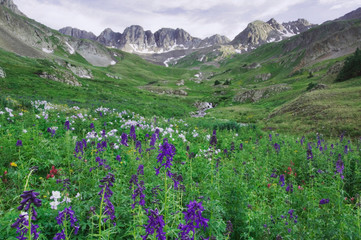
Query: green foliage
column 351, row 68
column 217, row 82
column 310, row 86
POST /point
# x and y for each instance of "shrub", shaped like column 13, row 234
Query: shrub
column 351, row 67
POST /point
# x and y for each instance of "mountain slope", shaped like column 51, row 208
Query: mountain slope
column 258, row 33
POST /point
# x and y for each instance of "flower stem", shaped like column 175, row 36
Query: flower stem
column 100, row 214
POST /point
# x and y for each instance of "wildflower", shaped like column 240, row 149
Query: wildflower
column 155, row 224
column 66, row 215
column 13, row 164
column 22, row 224
column 324, row 201
column 140, row 170
column 241, row 146
column 309, row 154
column 282, row 180
column 229, row 228
column 193, row 218
column 269, row 185
column 91, row 126
column 132, row 133
column 270, row 137
column 105, row 194
column 124, row 140
column 339, row 166
column 19, row 143
column 213, row 140
column 277, row 147
column 165, row 150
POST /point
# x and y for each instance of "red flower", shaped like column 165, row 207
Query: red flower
column 269, row 185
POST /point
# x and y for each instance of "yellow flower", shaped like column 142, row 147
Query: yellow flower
column 296, row 151
column 40, row 178
column 71, row 170
column 44, row 196
column 13, row 164
column 246, row 142
column 253, row 147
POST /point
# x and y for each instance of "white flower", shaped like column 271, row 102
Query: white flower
column 54, row 205
column 55, row 195
column 25, row 214
column 67, row 200
column 20, row 114
column 1, row 112
column 78, row 195
column 25, row 131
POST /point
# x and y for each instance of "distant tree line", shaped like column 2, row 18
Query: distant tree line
column 351, row 68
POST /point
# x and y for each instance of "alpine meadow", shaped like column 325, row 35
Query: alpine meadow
column 163, row 135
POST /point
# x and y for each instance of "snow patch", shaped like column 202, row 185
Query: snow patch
column 47, row 50
column 70, row 48
column 172, row 59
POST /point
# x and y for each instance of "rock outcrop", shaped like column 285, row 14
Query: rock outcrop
column 2, row 73
column 62, row 77
column 254, row 95
column 77, row 33
column 11, row 5
column 258, row 33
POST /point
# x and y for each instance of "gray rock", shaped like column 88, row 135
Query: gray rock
column 11, row 5
column 109, row 38
column 80, row 71
column 77, row 33
column 319, row 86
column 202, row 108
column 61, row 76
column 2, row 73
column 262, row 77
column 254, row 95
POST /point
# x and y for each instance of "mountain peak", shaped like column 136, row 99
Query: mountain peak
column 77, row 33
column 12, row 6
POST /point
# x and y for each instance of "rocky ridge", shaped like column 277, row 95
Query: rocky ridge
column 258, row 33
column 136, row 40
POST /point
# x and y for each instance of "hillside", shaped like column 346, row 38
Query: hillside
column 269, row 85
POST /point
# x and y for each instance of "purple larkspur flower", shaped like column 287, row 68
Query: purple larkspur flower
column 168, row 151
column 28, row 198
column 118, row 158
column 67, row 125
column 91, row 126
column 340, row 166
column 67, row 215
column 324, row 201
column 124, row 140
column 309, row 154
column 132, row 133
column 282, row 180
column 140, row 170
column 241, row 146
column 155, row 224
column 105, row 191
column 21, row 224
column 277, row 147
column 138, row 146
column 289, row 188
column 19, row 143
column 213, row 141
column 193, row 218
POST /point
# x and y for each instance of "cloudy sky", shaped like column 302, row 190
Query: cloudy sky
column 201, row 18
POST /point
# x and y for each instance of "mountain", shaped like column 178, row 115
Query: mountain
column 27, row 37
column 356, row 14
column 135, row 39
column 77, row 33
column 258, row 33
column 11, row 5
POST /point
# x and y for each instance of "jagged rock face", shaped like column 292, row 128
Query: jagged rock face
column 109, row 38
column 258, row 33
column 11, row 5
column 134, row 38
column 77, row 33
column 167, row 38
column 214, row 40
column 299, row 26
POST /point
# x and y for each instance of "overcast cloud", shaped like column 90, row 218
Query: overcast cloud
column 201, row 18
